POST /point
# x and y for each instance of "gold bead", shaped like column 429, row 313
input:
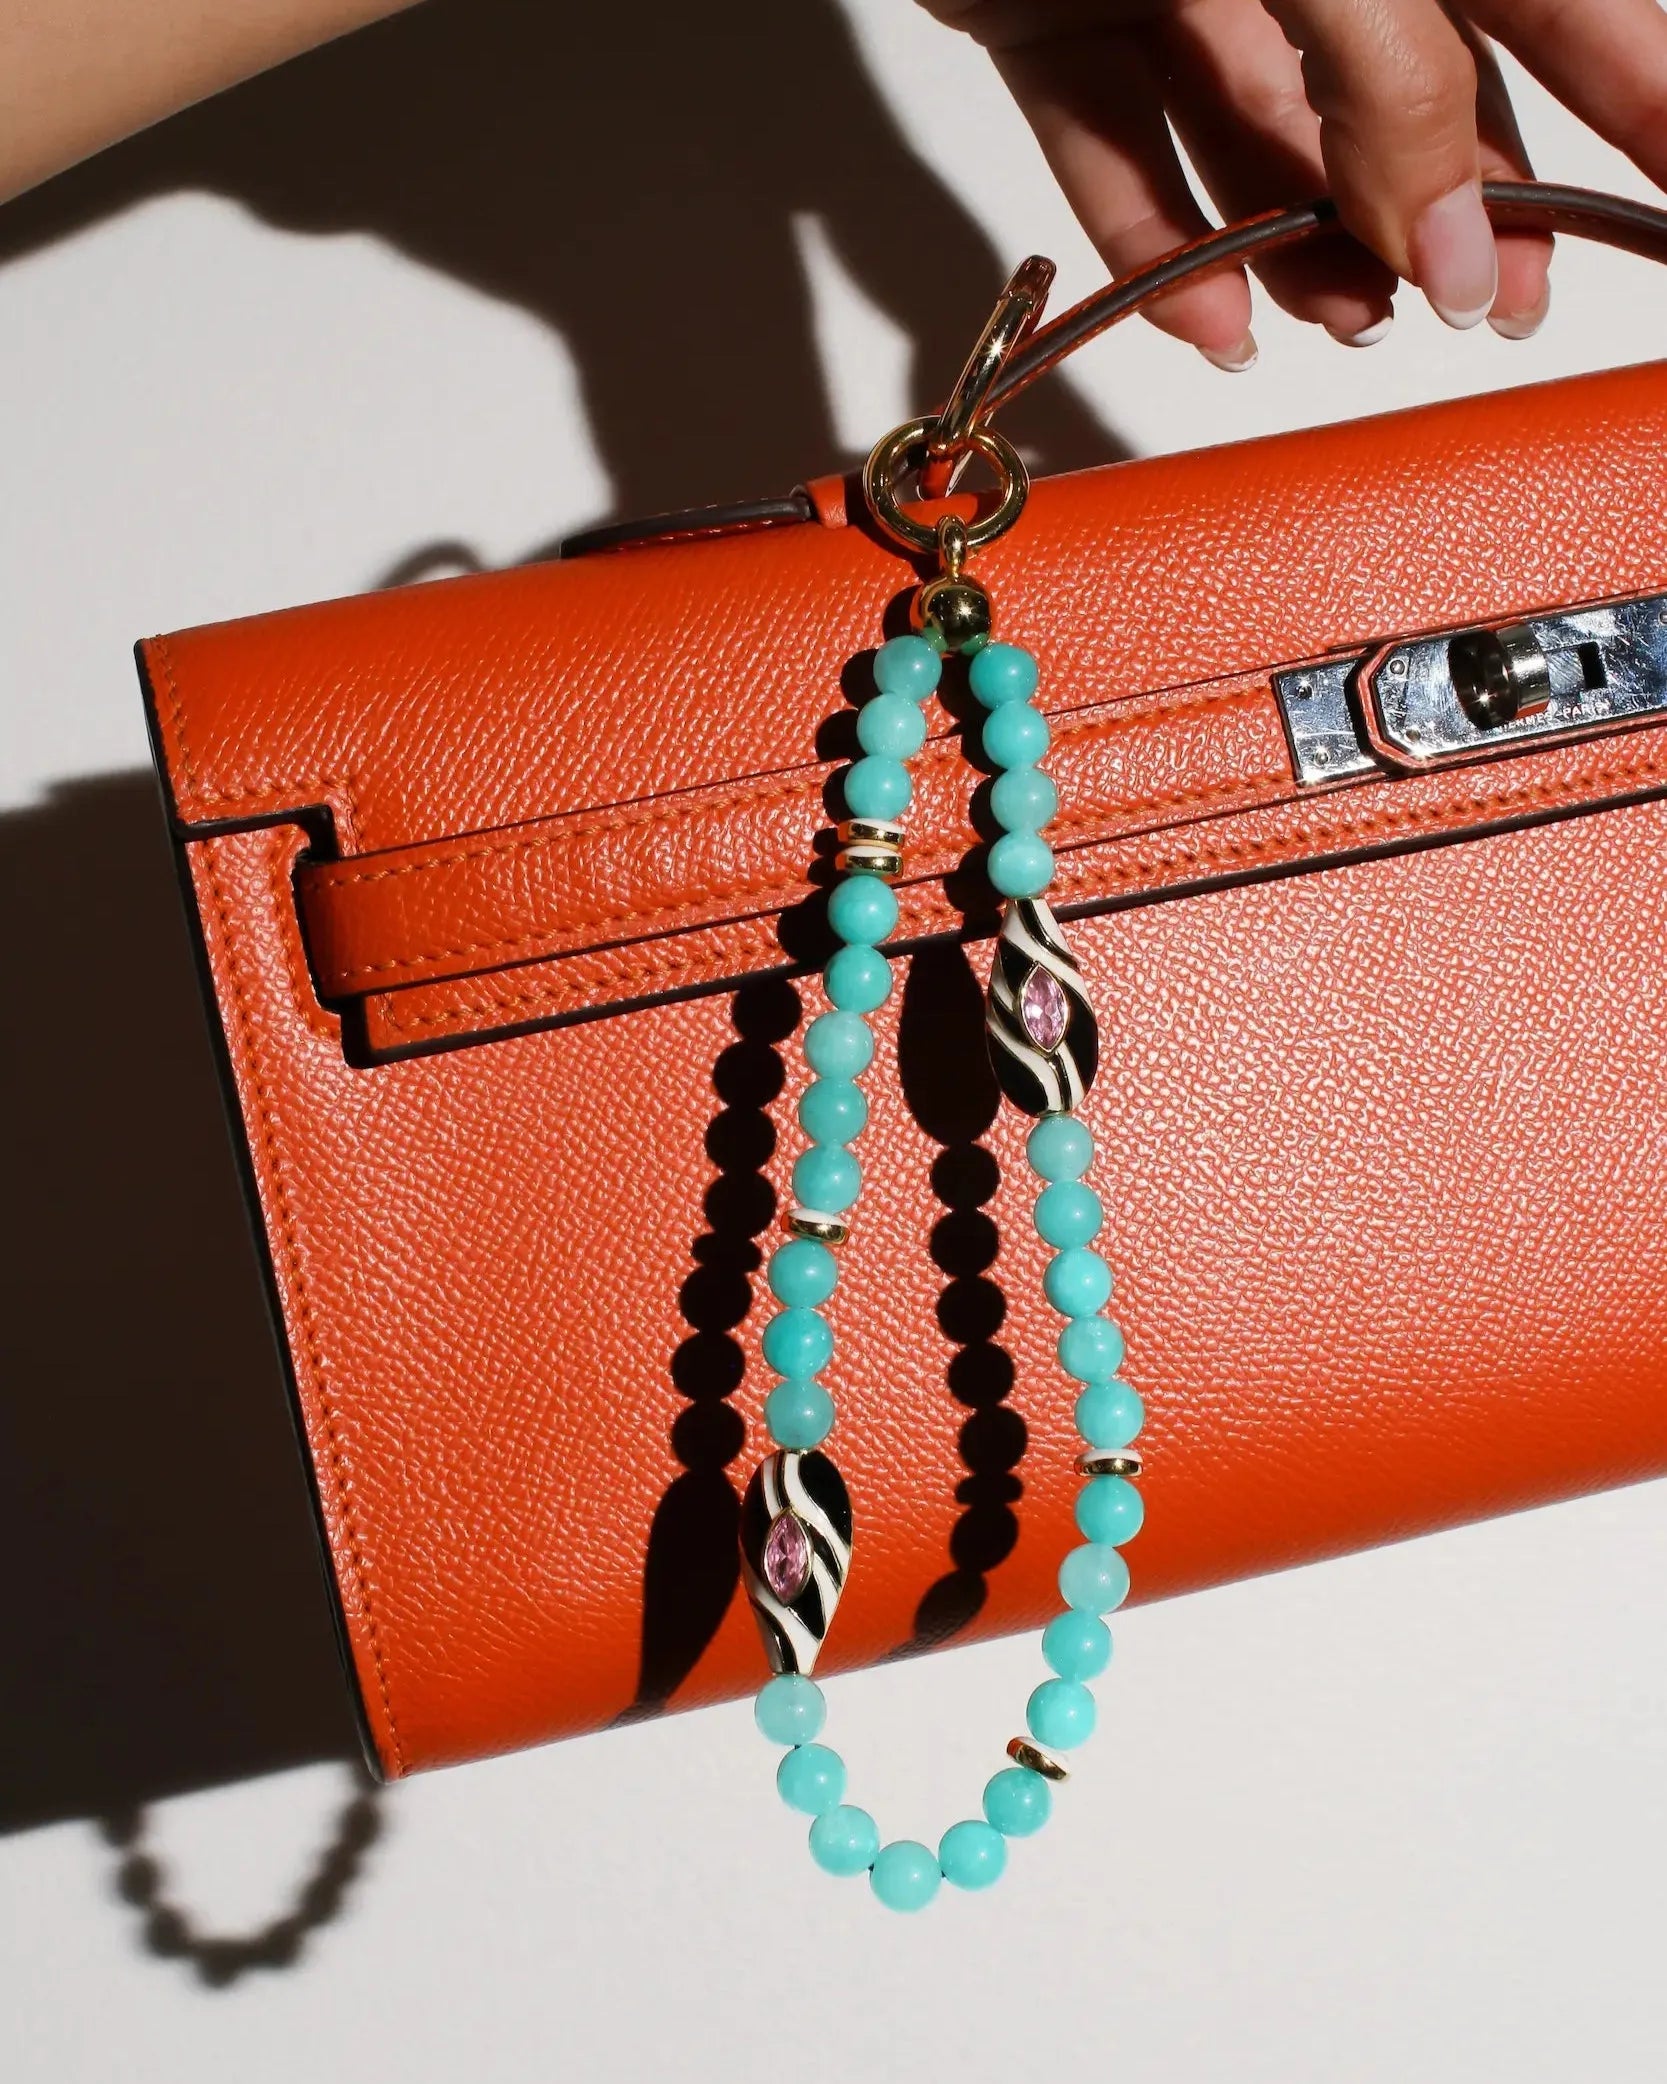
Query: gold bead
column 1123, row 1461
column 953, row 614
column 871, row 858
column 1024, row 1753
column 879, row 831
column 812, row 1223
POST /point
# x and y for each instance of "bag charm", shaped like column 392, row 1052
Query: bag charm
column 797, row 1519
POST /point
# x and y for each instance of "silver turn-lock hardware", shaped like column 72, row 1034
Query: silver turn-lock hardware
column 1432, row 701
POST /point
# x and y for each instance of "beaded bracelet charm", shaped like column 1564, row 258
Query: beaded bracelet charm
column 796, row 1520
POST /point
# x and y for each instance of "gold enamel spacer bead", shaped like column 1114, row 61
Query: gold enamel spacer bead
column 1024, row 1753
column 1125, row 1461
column 870, row 858
column 817, row 1225
column 879, row 832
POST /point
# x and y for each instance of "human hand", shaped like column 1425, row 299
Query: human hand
column 1397, row 107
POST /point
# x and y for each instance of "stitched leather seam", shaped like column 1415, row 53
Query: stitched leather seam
column 662, row 918
column 803, row 782
column 1074, row 875
column 266, row 1110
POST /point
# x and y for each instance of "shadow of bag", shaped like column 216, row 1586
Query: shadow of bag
column 508, row 896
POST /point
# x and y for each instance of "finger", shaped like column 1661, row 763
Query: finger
column 1235, row 94
column 1394, row 86
column 1524, row 294
column 1607, row 63
column 1096, row 106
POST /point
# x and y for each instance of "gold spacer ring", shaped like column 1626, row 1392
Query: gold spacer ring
column 1124, row 1462
column 1024, row 1753
column 905, row 448
column 815, row 1224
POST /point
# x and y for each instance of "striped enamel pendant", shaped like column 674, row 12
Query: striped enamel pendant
column 1044, row 1040
column 795, row 1553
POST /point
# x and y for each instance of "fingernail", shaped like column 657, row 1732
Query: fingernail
column 1368, row 338
column 1235, row 360
column 1454, row 257
column 1521, row 325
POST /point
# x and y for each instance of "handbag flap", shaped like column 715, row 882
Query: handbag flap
column 571, row 787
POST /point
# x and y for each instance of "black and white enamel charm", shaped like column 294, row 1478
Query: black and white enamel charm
column 795, row 1553
column 1044, row 1040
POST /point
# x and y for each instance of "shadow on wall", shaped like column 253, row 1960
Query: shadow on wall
column 629, row 174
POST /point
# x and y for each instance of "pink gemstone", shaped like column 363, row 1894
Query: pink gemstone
column 1044, row 1008
column 786, row 1556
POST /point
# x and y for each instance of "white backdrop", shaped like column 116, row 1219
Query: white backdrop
column 1402, row 1816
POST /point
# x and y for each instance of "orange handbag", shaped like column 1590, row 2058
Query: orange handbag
column 508, row 893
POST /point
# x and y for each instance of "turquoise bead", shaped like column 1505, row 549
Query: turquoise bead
column 790, row 1709
column 1023, row 800
column 972, row 1854
column 857, row 980
column 832, row 1110
column 1077, row 1282
column 1060, row 1714
column 905, row 1876
column 844, row 1841
column 1003, row 673
column 1021, row 865
column 1093, row 1579
column 1077, row 1646
column 826, row 1177
column 1109, row 1414
column 877, row 787
column 811, row 1778
column 907, row 666
column 1110, row 1509
column 1018, row 1802
column 802, row 1273
column 800, row 1415
column 1015, row 735
column 839, row 1045
column 1059, row 1147
column 798, row 1342
column 893, row 725
column 1091, row 1348
column 862, row 909
column 1068, row 1213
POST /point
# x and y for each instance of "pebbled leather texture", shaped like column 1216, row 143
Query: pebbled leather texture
column 1383, row 1139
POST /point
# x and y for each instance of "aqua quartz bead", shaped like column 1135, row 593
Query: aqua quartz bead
column 906, row 1875
column 877, row 786
column 857, row 980
column 1110, row 1509
column 1078, row 1281
column 800, row 1415
column 811, row 1778
column 972, row 1854
column 1109, row 1414
column 1023, row 799
column 1093, row 1579
column 1018, row 1802
column 802, row 1273
column 1076, row 1646
column 1091, row 1348
column 844, row 1840
column 1021, row 865
column 839, row 1045
column 907, row 666
column 862, row 909
column 1003, row 673
column 790, row 1709
column 1015, row 735
column 832, row 1110
column 891, row 724
column 1068, row 1213
column 797, row 1342
column 1060, row 1714
column 826, row 1177
column 1059, row 1147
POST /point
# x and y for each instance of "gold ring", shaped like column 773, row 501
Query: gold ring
column 906, row 448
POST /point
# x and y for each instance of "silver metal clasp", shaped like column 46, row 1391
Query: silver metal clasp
column 1436, row 701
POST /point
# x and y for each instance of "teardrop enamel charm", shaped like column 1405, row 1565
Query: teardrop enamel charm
column 795, row 1553
column 1044, row 1040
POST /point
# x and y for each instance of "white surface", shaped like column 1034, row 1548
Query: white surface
column 1397, row 1817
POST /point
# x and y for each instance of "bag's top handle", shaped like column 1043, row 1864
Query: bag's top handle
column 1589, row 213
